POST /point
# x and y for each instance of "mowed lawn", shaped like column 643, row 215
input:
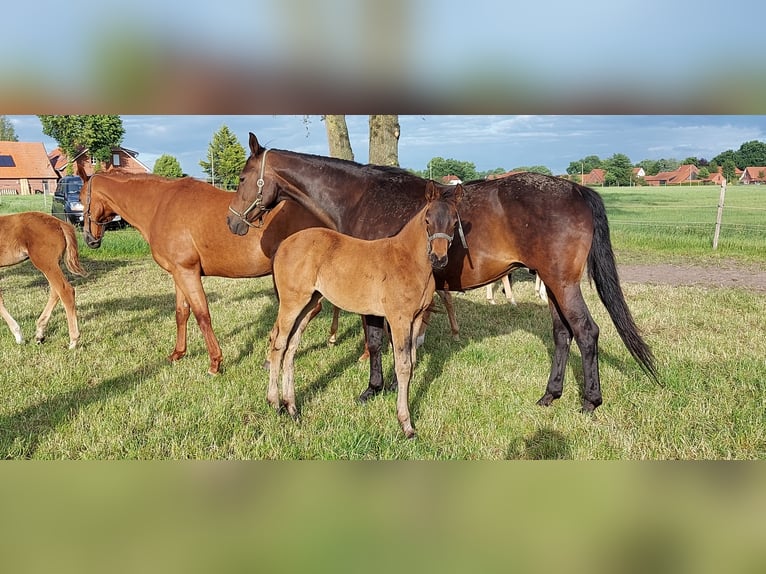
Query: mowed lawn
column 116, row 396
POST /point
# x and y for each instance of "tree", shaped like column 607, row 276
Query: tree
column 722, row 157
column 384, row 140
column 337, row 137
column 729, row 170
column 619, row 170
column 226, row 159
column 439, row 167
column 752, row 153
column 168, row 166
column 691, row 161
column 99, row 134
column 7, row 133
column 585, row 165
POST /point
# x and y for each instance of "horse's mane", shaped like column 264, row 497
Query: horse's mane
column 346, row 164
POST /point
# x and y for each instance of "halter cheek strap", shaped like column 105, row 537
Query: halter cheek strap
column 87, row 206
column 258, row 198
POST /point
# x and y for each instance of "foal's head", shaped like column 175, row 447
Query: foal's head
column 441, row 220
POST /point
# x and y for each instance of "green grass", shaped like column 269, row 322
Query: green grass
column 661, row 223
column 116, row 397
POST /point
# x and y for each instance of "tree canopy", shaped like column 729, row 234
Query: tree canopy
column 7, row 133
column 168, row 166
column 752, row 153
column 225, row 159
column 98, row 133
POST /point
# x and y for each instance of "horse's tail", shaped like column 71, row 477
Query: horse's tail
column 602, row 271
column 72, row 258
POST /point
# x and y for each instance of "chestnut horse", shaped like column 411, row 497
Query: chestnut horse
column 550, row 225
column 390, row 277
column 183, row 220
column 44, row 240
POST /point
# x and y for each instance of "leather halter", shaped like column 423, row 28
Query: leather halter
column 258, row 199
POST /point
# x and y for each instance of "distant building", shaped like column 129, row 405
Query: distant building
column 122, row 158
column 753, row 175
column 25, row 169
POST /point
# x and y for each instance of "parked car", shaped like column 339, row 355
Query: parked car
column 66, row 202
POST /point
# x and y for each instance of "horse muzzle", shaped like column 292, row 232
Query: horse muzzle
column 438, row 262
column 91, row 241
column 237, row 225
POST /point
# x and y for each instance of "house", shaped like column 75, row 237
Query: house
column 683, row 174
column 25, row 169
column 753, row 175
column 123, row 158
column 451, row 180
column 595, row 177
column 638, row 172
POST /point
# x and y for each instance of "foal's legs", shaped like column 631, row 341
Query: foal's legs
column 292, row 317
column 288, row 360
column 12, row 324
column 59, row 289
column 446, row 298
column 334, row 326
column 572, row 318
column 404, row 353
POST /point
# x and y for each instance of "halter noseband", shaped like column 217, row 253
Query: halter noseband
column 258, row 199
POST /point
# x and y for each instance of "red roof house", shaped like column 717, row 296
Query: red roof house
column 25, row 169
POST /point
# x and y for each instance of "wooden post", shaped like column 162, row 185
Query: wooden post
column 720, row 215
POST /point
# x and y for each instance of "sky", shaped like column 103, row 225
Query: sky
column 488, row 141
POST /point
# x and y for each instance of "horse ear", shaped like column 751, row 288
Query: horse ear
column 254, row 145
column 458, row 193
column 431, row 192
column 80, row 170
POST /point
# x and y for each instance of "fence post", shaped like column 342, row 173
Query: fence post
column 720, row 214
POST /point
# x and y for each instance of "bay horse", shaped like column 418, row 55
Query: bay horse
column 552, row 226
column 389, row 277
column 44, row 240
column 183, row 221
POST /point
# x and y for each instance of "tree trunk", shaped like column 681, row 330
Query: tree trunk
column 337, row 137
column 384, row 140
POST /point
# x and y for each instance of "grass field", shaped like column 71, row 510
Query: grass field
column 116, row 397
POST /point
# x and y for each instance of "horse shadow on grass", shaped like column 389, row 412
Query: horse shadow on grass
column 22, row 432
column 544, row 444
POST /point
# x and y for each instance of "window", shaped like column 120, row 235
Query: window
column 7, row 161
column 116, row 159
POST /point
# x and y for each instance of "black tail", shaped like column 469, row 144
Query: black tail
column 602, row 270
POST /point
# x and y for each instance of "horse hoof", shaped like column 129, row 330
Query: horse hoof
column 267, row 365
column 368, row 393
column 72, row 344
column 588, row 407
column 39, row 340
column 364, row 356
column 546, row 400
column 455, row 337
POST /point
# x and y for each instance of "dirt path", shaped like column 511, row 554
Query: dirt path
column 725, row 275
